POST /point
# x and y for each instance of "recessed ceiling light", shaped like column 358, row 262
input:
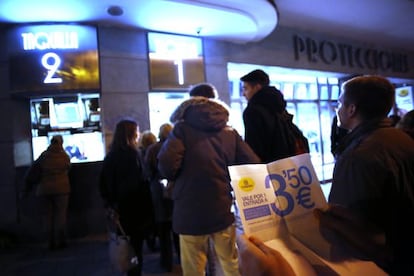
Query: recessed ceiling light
column 115, row 10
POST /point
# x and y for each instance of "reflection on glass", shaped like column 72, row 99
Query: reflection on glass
column 311, row 99
column 162, row 105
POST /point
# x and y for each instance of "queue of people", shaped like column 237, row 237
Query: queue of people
column 180, row 184
column 372, row 195
column 364, row 178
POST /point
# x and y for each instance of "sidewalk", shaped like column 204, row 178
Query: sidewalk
column 85, row 257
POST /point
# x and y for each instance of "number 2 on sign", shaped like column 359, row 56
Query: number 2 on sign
column 51, row 67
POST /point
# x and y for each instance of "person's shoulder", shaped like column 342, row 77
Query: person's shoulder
column 154, row 147
column 230, row 129
column 255, row 108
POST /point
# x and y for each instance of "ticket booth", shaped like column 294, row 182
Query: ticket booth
column 54, row 69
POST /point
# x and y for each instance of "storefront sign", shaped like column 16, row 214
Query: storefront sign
column 331, row 53
column 53, row 57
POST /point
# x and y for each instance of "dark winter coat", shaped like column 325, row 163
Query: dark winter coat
column 54, row 165
column 374, row 176
column 260, row 127
column 123, row 188
column 196, row 156
column 162, row 204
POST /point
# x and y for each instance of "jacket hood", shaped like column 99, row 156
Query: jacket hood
column 269, row 97
column 202, row 113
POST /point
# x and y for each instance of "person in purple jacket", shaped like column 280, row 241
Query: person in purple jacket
column 196, row 156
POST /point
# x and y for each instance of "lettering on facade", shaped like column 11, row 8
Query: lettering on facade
column 50, row 40
column 329, row 53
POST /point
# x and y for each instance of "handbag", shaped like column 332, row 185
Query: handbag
column 121, row 253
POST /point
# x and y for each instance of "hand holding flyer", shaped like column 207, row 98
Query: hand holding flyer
column 276, row 202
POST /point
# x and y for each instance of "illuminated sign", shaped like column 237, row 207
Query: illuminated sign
column 404, row 98
column 53, row 57
column 176, row 62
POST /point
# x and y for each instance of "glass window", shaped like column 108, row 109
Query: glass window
column 175, row 61
column 335, row 92
column 301, row 91
column 310, row 99
column 313, row 91
column 324, row 92
column 162, row 105
column 76, row 117
column 287, row 90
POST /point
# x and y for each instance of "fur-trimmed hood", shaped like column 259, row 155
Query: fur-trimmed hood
column 202, row 113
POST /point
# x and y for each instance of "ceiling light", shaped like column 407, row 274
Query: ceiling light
column 115, row 10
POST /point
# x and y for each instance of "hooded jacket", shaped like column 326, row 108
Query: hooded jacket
column 196, row 155
column 259, row 117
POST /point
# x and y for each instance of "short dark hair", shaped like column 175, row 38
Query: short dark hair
column 206, row 90
column 373, row 96
column 256, row 77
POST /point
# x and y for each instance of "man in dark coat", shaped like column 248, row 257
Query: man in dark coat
column 265, row 103
column 374, row 170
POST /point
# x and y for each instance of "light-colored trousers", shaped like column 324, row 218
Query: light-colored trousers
column 194, row 252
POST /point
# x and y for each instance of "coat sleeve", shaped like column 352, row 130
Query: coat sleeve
column 32, row 176
column 254, row 125
column 171, row 156
column 244, row 153
column 106, row 179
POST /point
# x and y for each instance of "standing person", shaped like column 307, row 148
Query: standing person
column 206, row 90
column 265, row 117
column 163, row 204
column 195, row 156
column 146, row 139
column 407, row 123
column 53, row 189
column 123, row 188
column 374, row 170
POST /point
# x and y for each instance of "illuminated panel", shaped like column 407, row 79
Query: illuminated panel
column 53, row 57
column 76, row 118
column 404, row 98
column 176, row 62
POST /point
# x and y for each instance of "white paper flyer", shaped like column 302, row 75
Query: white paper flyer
column 276, row 201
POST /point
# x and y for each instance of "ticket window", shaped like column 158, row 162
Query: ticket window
column 76, row 118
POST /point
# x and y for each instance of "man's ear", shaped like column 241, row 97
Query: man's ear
column 257, row 87
column 352, row 110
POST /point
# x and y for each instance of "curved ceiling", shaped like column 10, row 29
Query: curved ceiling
column 237, row 21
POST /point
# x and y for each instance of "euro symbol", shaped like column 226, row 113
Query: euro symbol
column 304, row 198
